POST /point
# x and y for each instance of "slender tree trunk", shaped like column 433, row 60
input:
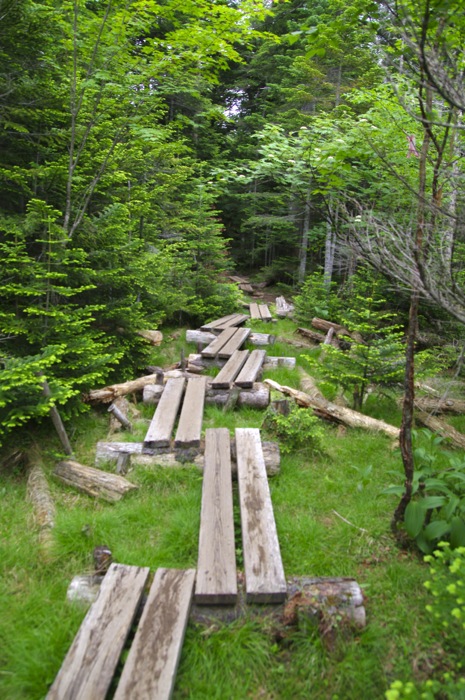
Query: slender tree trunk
column 304, row 239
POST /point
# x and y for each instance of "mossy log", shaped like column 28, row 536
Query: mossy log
column 429, row 404
column 436, row 425
column 93, row 482
column 339, row 414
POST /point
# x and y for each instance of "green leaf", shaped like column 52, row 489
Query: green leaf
column 396, row 490
column 433, row 502
column 457, row 532
column 436, row 529
column 414, row 518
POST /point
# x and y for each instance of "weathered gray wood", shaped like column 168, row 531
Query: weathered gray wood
column 93, row 482
column 264, row 573
column 265, row 313
column 123, row 463
column 251, row 369
column 150, row 669
column 152, row 393
column 234, row 343
column 216, row 566
column 283, row 307
column 225, row 322
column 272, row 362
column 215, row 346
column 230, row 370
column 254, row 311
column 109, row 393
column 119, row 415
column 87, row 671
column 161, row 427
column 190, row 420
column 257, row 397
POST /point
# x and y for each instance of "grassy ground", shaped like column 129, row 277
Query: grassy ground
column 331, row 522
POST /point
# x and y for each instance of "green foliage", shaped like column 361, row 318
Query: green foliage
column 446, row 585
column 298, row 430
column 317, row 298
column 437, row 509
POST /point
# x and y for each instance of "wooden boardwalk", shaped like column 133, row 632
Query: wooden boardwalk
column 190, row 420
column 230, row 370
column 225, row 322
column 260, row 312
column 216, row 567
column 226, row 343
column 264, row 573
column 162, row 424
column 251, row 369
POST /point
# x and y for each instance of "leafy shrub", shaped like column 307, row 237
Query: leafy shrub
column 300, row 429
column 316, row 299
column 447, row 587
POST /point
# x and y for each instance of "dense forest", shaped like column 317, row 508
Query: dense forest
column 149, row 150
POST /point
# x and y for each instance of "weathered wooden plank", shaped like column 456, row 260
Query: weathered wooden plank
column 216, row 567
column 241, row 318
column 251, row 369
column 150, row 669
column 230, row 370
column 216, row 345
column 264, row 573
column 254, row 311
column 225, row 322
column 161, row 427
column 190, row 420
column 265, row 313
column 234, row 343
column 87, row 671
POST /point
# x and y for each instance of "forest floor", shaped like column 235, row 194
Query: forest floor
column 331, row 520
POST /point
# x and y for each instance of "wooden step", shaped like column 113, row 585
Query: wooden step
column 234, row 343
column 251, row 369
column 190, row 420
column 87, row 671
column 230, row 370
column 216, row 567
column 265, row 313
column 161, row 427
column 225, row 322
column 150, row 669
column 254, row 311
column 215, row 346
column 264, row 573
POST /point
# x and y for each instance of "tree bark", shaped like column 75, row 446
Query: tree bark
column 431, row 405
column 93, row 482
column 109, row 393
column 340, row 414
column 38, row 494
column 438, row 426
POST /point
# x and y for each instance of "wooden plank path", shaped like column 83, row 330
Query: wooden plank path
column 225, row 322
column 216, row 567
column 190, row 420
column 215, row 346
column 234, row 343
column 230, row 370
column 264, row 573
column 150, row 669
column 251, row 369
column 87, row 671
column 162, row 424
column 260, row 312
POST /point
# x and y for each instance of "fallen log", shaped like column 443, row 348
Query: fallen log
column 340, row 414
column 93, row 482
column 154, row 337
column 109, row 452
column 311, row 335
column 110, row 393
column 197, row 363
column 322, row 325
column 258, row 397
column 432, row 405
column 205, row 338
column 38, row 494
column 436, row 425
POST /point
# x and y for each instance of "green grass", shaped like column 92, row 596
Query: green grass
column 331, row 521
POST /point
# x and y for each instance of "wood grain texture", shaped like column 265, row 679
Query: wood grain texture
column 254, row 311
column 87, row 671
column 251, row 369
column 216, row 568
column 150, row 669
column 264, row 573
column 161, row 427
column 230, row 370
column 190, row 420
column 93, row 482
column 215, row 346
column 225, row 322
column 234, row 343
column 265, row 313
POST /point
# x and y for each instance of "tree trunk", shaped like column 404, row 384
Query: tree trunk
column 38, row 494
column 431, row 405
column 93, row 482
column 438, row 426
column 340, row 414
column 109, row 393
